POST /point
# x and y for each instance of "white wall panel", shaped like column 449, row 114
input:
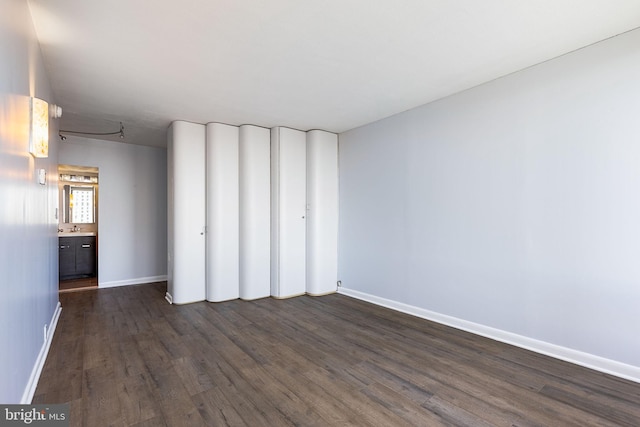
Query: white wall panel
column 186, row 216
column 255, row 212
column 288, row 201
column 322, row 212
column 222, row 212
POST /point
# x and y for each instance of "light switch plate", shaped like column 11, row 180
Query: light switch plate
column 42, row 176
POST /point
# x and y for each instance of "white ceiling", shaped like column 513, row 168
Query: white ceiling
column 331, row 65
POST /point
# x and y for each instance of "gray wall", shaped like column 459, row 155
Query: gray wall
column 132, row 208
column 28, row 236
column 514, row 205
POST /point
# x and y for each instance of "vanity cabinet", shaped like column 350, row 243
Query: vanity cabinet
column 77, row 257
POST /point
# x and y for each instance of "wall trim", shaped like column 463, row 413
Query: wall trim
column 30, row 389
column 136, row 281
column 607, row 366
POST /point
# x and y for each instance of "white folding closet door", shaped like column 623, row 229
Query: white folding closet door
column 288, row 204
column 186, row 213
column 322, row 212
column 223, row 240
column 255, row 212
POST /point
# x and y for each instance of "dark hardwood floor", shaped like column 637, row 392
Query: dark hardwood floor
column 73, row 285
column 124, row 357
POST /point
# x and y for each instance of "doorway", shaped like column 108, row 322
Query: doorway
column 77, row 227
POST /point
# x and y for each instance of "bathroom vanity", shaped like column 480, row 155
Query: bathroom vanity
column 77, row 254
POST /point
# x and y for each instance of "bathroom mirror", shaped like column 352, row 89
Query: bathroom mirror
column 78, row 194
column 79, row 204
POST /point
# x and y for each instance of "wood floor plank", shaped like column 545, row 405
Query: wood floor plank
column 170, row 339
column 137, row 402
column 411, row 412
column 75, row 413
column 127, row 353
column 96, row 350
column 499, row 394
column 52, row 392
column 330, row 408
column 246, row 399
column 175, row 402
column 365, row 409
column 154, row 355
column 100, row 403
column 282, row 397
column 124, row 357
column 154, row 422
column 216, row 410
column 221, row 373
column 619, row 413
column 403, row 386
column 194, row 376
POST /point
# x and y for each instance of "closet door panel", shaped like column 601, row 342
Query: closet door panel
column 186, row 215
column 288, row 174
column 322, row 212
column 255, row 212
column 222, row 187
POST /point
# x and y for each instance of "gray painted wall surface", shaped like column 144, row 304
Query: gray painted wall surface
column 28, row 231
column 513, row 205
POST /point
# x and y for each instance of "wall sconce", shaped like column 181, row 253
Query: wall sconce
column 39, row 127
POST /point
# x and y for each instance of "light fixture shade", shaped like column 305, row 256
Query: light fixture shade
column 39, row 128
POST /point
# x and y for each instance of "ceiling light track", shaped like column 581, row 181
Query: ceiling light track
column 62, row 133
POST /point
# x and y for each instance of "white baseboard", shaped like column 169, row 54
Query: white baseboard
column 128, row 282
column 587, row 360
column 30, row 390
